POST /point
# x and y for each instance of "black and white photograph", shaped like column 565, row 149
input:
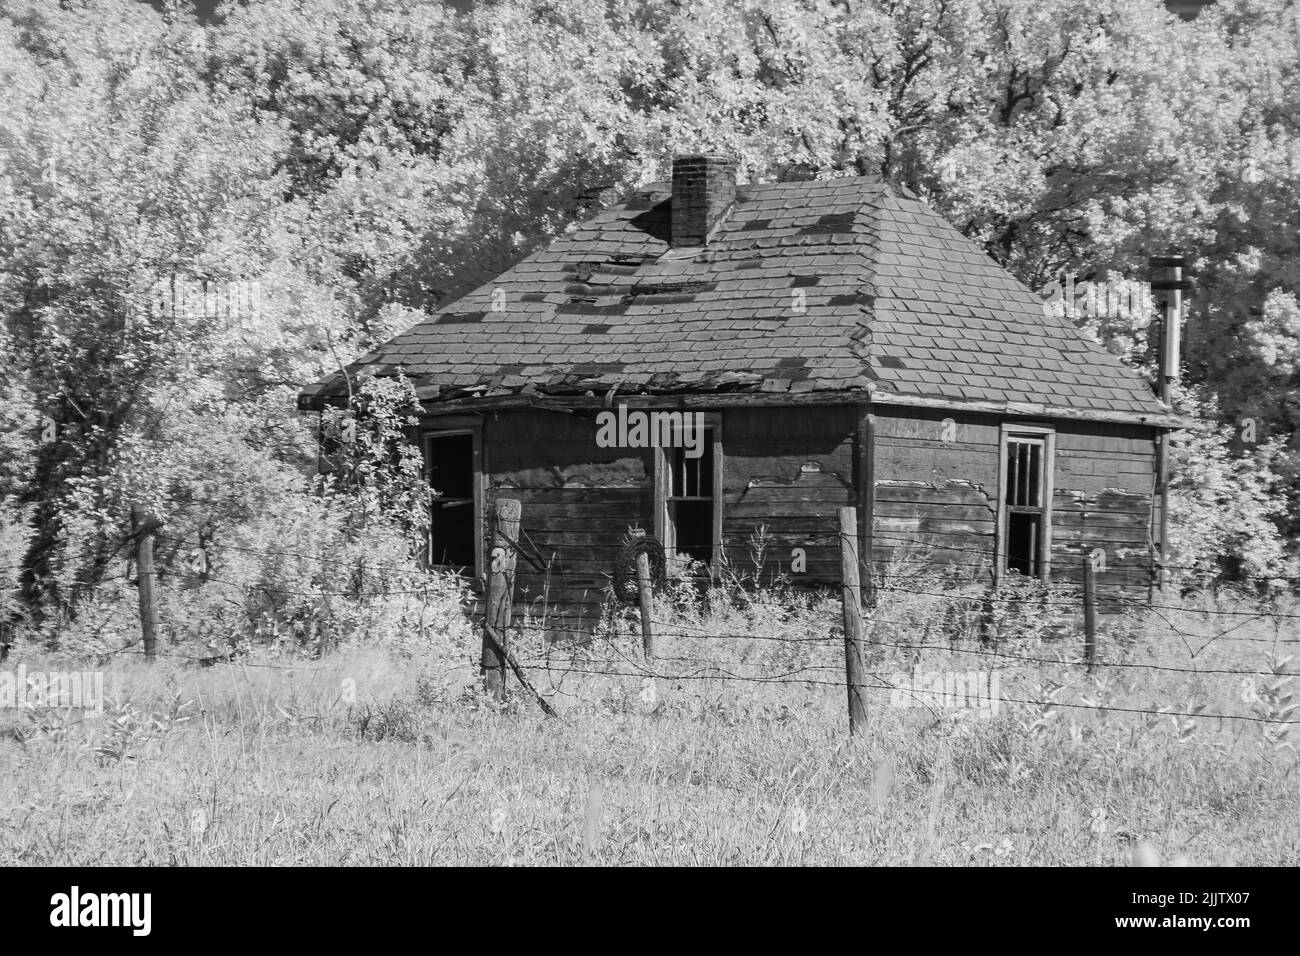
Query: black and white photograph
column 651, row 434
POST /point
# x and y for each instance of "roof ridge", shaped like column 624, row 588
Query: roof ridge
column 860, row 339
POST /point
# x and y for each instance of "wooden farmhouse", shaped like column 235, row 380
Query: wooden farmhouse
column 841, row 343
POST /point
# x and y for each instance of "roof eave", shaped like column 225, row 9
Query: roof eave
column 1035, row 410
column 315, row 401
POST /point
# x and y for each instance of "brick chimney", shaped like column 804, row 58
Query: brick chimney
column 704, row 188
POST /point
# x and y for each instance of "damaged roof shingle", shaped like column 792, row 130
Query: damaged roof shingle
column 847, row 281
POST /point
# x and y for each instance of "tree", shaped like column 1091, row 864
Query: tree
column 363, row 162
column 1068, row 138
column 118, row 171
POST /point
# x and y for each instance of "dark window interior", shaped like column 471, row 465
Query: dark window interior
column 1024, row 500
column 1024, row 473
column 1023, row 532
column 690, row 500
column 451, row 475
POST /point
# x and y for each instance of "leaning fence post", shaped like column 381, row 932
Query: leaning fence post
column 500, row 595
column 1089, row 612
column 854, row 676
column 144, row 526
column 645, row 596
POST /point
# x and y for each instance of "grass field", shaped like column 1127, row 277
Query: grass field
column 377, row 754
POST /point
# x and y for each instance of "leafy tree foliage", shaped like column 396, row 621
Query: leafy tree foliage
column 362, row 162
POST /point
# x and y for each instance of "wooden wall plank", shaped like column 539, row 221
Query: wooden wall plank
column 788, row 470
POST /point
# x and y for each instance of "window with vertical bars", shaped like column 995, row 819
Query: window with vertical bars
column 690, row 500
column 1024, row 499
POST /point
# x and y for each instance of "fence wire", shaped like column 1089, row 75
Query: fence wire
column 572, row 621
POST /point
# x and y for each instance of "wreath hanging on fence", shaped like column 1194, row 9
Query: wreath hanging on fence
column 624, row 576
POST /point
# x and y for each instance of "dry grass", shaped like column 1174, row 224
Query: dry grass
column 375, row 756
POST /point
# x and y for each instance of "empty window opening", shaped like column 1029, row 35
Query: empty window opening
column 1023, row 537
column 690, row 501
column 1024, row 472
column 451, row 476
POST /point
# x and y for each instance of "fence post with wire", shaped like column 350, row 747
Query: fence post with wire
column 500, row 595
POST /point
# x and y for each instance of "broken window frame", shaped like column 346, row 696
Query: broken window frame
column 1042, row 437
column 447, row 428
column 664, row 523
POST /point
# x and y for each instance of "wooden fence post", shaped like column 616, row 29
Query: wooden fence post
column 144, row 527
column 645, row 595
column 1089, row 612
column 865, row 485
column 500, row 595
column 854, row 677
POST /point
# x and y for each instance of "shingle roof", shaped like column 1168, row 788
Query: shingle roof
column 829, row 285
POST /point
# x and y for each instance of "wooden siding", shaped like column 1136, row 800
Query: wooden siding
column 934, row 494
column 579, row 500
column 1103, row 499
column 943, row 494
column 787, row 470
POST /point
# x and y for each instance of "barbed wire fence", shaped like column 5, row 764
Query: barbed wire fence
column 549, row 614
column 974, row 603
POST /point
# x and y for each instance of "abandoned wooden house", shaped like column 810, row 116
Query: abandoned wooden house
column 844, row 345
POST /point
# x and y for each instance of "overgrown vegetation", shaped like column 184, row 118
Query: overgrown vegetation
column 361, row 164
column 377, row 756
